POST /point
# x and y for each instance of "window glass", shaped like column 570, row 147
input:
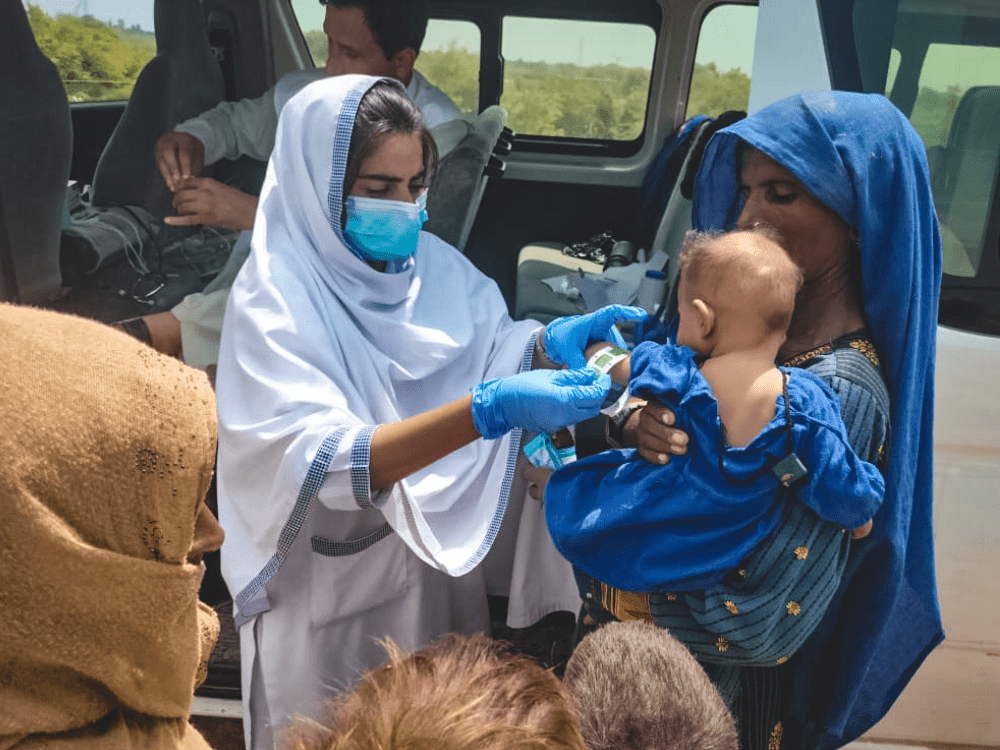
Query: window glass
column 890, row 78
column 963, row 144
column 721, row 78
column 99, row 46
column 310, row 15
column 944, row 73
column 576, row 79
column 449, row 56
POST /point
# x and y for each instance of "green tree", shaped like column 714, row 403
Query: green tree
column 318, row 48
column 933, row 112
column 96, row 61
column 455, row 70
column 714, row 92
column 597, row 101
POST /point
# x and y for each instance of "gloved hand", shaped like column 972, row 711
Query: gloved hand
column 537, row 400
column 566, row 338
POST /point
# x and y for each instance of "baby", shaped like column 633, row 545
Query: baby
column 758, row 434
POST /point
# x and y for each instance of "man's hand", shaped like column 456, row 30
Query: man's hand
column 652, row 430
column 202, row 200
column 179, row 155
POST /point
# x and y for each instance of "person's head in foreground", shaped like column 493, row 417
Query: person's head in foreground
column 465, row 692
column 374, row 37
column 108, row 450
column 737, row 291
column 639, row 688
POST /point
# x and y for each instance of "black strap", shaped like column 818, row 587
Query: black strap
column 705, row 133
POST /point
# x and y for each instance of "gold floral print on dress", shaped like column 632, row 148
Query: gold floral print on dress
column 867, row 348
column 774, row 742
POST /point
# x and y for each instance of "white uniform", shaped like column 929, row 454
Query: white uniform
column 247, row 127
column 318, row 349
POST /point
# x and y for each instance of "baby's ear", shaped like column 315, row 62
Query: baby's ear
column 706, row 317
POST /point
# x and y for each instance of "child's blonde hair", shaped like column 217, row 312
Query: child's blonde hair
column 757, row 269
column 461, row 693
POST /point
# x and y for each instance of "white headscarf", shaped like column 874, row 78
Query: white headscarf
column 318, row 348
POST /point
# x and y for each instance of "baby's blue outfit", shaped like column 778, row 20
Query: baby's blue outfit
column 644, row 527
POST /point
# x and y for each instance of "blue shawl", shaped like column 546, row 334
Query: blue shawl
column 858, row 154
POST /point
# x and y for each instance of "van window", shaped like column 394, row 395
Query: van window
column 569, row 78
column 722, row 62
column 449, row 55
column 449, row 58
column 98, row 58
column 943, row 72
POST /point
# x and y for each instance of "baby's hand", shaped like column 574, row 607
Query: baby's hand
column 862, row 531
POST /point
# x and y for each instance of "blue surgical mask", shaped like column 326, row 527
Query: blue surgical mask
column 379, row 229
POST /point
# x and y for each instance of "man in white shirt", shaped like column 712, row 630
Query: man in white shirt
column 373, row 37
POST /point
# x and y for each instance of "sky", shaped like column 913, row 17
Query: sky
column 578, row 42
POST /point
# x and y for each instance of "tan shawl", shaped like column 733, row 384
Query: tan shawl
column 106, row 450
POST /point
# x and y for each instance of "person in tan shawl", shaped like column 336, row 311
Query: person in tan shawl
column 106, row 452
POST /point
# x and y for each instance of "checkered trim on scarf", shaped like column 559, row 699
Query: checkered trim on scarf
column 341, row 149
column 508, row 478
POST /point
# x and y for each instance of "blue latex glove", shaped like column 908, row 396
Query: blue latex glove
column 567, row 338
column 537, row 400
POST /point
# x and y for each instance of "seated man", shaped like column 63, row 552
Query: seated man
column 374, row 37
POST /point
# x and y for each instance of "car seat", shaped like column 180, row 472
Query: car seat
column 457, row 188
column 181, row 81
column 668, row 189
column 35, row 153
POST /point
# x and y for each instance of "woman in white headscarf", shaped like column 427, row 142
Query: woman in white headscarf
column 356, row 493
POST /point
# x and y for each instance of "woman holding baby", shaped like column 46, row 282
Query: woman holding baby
column 814, row 636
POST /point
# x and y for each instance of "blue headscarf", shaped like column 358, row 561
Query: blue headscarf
column 858, row 154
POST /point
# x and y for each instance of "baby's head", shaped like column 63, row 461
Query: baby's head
column 737, row 290
column 638, row 687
